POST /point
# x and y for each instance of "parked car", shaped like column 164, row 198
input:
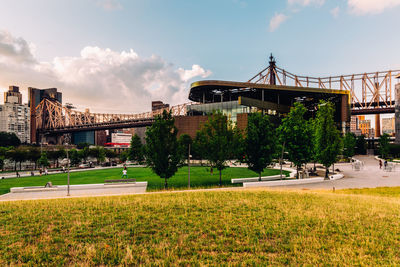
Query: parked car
column 108, row 164
column 84, row 165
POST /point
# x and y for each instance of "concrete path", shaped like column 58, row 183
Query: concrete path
column 369, row 177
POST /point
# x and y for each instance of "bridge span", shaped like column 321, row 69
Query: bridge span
column 271, row 89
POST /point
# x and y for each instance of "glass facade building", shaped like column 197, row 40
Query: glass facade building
column 230, row 109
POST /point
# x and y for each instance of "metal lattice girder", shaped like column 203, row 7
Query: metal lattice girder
column 366, row 89
column 51, row 115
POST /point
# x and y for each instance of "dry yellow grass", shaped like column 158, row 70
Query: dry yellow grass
column 255, row 227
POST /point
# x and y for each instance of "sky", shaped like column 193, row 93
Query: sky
column 116, row 56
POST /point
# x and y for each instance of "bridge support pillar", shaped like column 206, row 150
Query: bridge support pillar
column 377, row 125
column 345, row 114
column 397, row 113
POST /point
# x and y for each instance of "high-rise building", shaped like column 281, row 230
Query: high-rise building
column 35, row 97
column 13, row 95
column 14, row 116
column 388, row 126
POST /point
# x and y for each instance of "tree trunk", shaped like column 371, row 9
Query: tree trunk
column 326, row 173
column 259, row 176
column 297, row 172
column 20, row 165
column 220, row 177
column 165, row 184
column 15, row 165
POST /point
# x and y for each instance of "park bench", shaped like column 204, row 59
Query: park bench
column 120, row 181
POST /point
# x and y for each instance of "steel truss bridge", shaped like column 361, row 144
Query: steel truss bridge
column 52, row 117
column 370, row 93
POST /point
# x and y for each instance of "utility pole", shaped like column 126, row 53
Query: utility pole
column 189, row 167
column 281, row 159
column 68, row 172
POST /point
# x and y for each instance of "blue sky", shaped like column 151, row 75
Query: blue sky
column 169, row 44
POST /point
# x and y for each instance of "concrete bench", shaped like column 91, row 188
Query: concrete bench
column 255, row 179
column 120, row 181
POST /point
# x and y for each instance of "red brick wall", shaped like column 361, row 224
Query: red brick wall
column 189, row 124
column 242, row 121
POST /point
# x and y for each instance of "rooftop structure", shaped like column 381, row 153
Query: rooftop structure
column 14, row 116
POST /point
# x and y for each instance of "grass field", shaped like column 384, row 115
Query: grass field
column 253, row 227
column 200, row 177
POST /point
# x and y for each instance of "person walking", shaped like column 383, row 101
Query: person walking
column 125, row 173
column 385, row 164
column 380, row 164
column 46, row 172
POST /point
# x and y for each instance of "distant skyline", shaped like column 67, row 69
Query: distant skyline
column 117, row 56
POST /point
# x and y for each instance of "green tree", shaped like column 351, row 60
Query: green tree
column 260, row 143
column 361, row 145
column 162, row 148
column 328, row 141
column 74, row 157
column 34, row 155
column 136, row 150
column 185, row 141
column 384, row 145
column 84, row 153
column 110, row 154
column 43, row 160
column 3, row 153
column 9, row 139
column 99, row 153
column 218, row 140
column 124, row 156
column 101, row 157
column 82, row 145
column 295, row 132
column 199, row 146
column 56, row 154
column 349, row 145
column 18, row 155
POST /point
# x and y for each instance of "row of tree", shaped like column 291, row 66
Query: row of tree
column 299, row 139
column 43, row 158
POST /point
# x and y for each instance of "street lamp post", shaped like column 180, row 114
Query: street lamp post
column 189, row 167
column 68, row 172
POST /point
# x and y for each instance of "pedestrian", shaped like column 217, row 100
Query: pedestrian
column 385, row 164
column 32, row 174
column 46, row 172
column 18, row 174
column 380, row 164
column 40, row 171
column 125, row 173
column 63, row 169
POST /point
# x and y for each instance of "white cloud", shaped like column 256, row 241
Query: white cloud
column 276, row 21
column 306, row 2
column 196, row 71
column 100, row 79
column 363, row 7
column 109, row 4
column 15, row 49
column 335, row 12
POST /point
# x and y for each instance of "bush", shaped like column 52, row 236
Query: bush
column 394, row 150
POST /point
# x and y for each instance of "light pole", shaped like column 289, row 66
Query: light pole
column 189, row 167
column 67, row 171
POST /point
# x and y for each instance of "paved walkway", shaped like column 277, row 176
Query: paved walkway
column 369, row 177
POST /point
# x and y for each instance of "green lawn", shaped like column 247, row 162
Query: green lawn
column 199, row 177
column 241, row 227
